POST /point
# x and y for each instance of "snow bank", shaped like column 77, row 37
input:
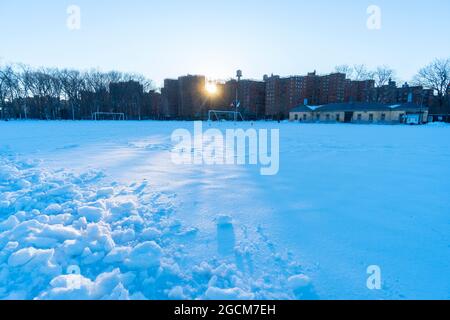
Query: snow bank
column 69, row 236
column 299, row 281
column 228, row 294
column 438, row 125
column 91, row 214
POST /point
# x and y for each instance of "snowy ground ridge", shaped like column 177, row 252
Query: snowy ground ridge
column 70, row 236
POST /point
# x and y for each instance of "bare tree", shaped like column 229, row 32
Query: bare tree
column 97, row 81
column 346, row 69
column 3, row 90
column 72, row 84
column 26, row 83
column 114, row 76
column 383, row 75
column 362, row 73
column 56, row 93
column 146, row 83
column 53, row 93
column 435, row 76
column 9, row 89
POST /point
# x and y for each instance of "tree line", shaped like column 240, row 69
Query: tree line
column 434, row 76
column 51, row 93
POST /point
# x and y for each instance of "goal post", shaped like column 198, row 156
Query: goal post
column 97, row 116
column 218, row 115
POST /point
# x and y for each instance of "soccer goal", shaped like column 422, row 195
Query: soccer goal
column 217, row 115
column 97, row 116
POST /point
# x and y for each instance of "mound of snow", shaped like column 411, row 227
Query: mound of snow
column 144, row 256
column 303, row 288
column 21, row 257
column 105, row 192
column 9, row 224
column 8, row 172
column 53, row 209
column 92, row 214
column 299, row 281
column 61, row 219
column 150, row 234
column 123, row 207
column 228, row 294
column 77, row 287
column 117, row 255
column 438, row 125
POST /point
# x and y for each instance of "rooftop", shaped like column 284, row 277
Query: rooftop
column 352, row 107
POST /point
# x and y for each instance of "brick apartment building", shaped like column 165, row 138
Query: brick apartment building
column 224, row 97
column 276, row 96
column 309, row 92
column 440, row 110
column 128, row 97
column 415, row 94
column 252, row 95
column 359, row 91
column 153, row 107
column 282, row 94
column 332, row 88
column 192, row 99
column 170, row 96
column 387, row 93
column 390, row 93
column 186, row 98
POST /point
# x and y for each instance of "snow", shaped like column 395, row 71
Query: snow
column 106, row 286
column 224, row 221
column 21, row 257
column 98, row 211
column 52, row 209
column 227, row 294
column 91, row 214
column 299, row 281
column 144, row 256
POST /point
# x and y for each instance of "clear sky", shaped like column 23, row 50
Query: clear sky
column 168, row 38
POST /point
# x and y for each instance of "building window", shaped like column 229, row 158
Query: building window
column 304, row 117
column 296, row 117
column 328, row 117
column 383, row 117
column 371, row 117
column 318, row 117
column 338, row 117
column 359, row 117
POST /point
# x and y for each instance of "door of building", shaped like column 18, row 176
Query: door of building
column 348, row 117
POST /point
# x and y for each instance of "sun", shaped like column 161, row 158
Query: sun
column 211, row 88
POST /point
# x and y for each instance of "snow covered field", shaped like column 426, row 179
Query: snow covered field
column 98, row 211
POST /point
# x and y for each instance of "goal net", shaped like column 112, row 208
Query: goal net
column 217, row 115
column 98, row 116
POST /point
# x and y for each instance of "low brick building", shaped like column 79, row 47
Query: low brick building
column 361, row 113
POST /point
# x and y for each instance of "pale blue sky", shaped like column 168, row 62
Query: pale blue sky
column 168, row 38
